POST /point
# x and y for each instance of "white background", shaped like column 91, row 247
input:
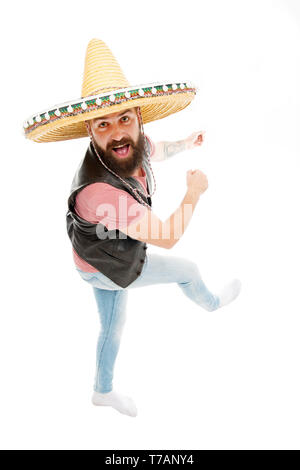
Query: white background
column 228, row 379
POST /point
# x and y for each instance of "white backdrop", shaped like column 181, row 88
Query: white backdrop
column 228, row 379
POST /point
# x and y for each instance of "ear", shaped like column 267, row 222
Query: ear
column 138, row 113
column 88, row 127
column 140, row 119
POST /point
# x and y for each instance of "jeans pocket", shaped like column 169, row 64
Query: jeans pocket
column 84, row 275
column 98, row 280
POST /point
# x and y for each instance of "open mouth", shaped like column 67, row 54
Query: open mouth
column 122, row 151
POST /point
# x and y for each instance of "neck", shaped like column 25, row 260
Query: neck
column 137, row 172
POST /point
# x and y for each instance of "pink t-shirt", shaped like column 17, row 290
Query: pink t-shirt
column 113, row 207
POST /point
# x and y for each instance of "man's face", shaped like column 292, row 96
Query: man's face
column 119, row 141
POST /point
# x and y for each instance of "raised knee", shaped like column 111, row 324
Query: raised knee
column 194, row 270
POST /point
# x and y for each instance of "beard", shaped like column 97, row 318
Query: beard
column 123, row 167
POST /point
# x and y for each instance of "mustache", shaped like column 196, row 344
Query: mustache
column 124, row 141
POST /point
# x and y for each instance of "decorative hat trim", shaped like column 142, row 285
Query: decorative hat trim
column 104, row 100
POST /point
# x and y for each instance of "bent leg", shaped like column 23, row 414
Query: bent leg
column 112, row 312
column 162, row 269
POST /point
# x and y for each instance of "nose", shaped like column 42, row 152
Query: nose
column 116, row 132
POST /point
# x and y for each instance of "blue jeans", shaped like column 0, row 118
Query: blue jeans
column 112, row 299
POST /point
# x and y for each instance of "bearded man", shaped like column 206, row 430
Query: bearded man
column 110, row 220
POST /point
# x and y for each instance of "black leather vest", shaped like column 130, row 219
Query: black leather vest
column 114, row 253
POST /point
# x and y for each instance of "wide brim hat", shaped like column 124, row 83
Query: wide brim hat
column 105, row 90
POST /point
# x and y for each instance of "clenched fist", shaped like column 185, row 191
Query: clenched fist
column 196, row 181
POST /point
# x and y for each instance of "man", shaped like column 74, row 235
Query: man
column 110, row 220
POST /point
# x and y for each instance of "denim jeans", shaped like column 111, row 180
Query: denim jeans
column 112, row 299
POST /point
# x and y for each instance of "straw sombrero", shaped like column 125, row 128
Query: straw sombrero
column 105, row 90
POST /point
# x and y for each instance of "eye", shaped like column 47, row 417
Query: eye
column 125, row 118
column 102, row 124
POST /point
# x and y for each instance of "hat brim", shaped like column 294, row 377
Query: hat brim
column 72, row 125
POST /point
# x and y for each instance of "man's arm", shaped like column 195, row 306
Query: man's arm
column 165, row 150
column 150, row 229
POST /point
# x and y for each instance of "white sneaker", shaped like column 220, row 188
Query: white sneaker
column 229, row 292
column 120, row 402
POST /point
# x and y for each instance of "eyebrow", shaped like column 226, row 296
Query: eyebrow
column 121, row 114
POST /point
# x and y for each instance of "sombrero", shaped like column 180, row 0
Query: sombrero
column 105, row 90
